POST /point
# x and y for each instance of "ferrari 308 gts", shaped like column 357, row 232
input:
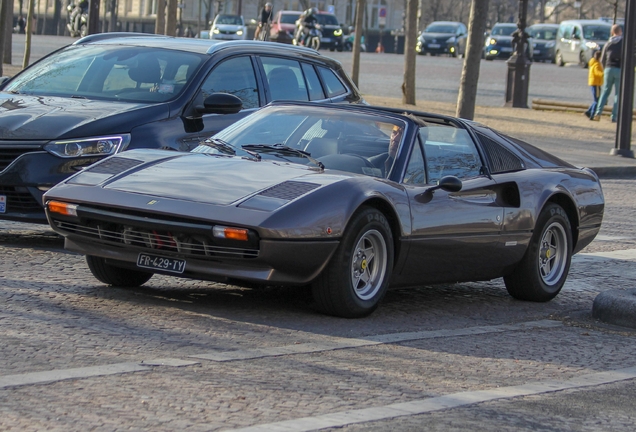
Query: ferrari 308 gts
column 351, row 200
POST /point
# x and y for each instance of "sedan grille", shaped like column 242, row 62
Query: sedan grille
column 156, row 240
column 8, row 155
column 19, row 200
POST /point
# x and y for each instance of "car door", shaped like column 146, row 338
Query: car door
column 454, row 235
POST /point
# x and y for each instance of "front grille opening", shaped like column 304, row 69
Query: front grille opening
column 8, row 155
column 20, row 200
column 157, row 240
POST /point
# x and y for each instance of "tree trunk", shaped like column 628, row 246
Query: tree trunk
column 160, row 22
column 57, row 14
column 171, row 18
column 112, row 25
column 355, row 72
column 3, row 11
column 8, row 31
column 410, row 40
column 470, row 71
column 29, row 32
column 93, row 17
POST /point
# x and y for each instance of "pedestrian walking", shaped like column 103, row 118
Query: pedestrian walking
column 595, row 81
column 611, row 59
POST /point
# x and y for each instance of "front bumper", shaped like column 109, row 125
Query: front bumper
column 27, row 177
column 496, row 51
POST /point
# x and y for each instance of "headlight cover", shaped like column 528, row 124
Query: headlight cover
column 591, row 45
column 87, row 147
column 491, row 41
column 451, row 40
column 337, row 32
column 550, row 44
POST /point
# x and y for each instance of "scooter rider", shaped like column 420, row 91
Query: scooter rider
column 308, row 23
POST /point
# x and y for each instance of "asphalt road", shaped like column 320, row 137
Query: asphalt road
column 437, row 77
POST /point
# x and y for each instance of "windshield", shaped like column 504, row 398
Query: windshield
column 343, row 140
column 289, row 18
column 542, row 33
column 441, row 28
column 326, row 19
column 229, row 19
column 596, row 32
column 503, row 30
column 115, row 73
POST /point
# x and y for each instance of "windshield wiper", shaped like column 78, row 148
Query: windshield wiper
column 220, row 145
column 283, row 150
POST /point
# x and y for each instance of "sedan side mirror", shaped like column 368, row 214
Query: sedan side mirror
column 221, row 103
column 3, row 80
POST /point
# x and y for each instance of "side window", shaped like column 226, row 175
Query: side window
column 415, row 173
column 285, row 79
column 235, row 76
column 449, row 151
column 333, row 84
column 567, row 32
column 315, row 89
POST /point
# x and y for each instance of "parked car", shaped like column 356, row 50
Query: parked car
column 110, row 92
column 578, row 39
column 349, row 199
column 543, row 41
column 228, row 27
column 443, row 37
column 284, row 26
column 499, row 41
column 331, row 32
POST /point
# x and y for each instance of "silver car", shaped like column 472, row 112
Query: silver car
column 577, row 40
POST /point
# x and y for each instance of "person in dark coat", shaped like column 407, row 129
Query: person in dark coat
column 611, row 59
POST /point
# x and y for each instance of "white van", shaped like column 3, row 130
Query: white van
column 578, row 39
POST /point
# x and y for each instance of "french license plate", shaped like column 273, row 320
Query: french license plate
column 433, row 45
column 506, row 49
column 154, row 262
column 537, row 52
column 3, row 203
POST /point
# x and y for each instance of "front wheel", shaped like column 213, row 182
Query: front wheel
column 315, row 43
column 559, row 59
column 116, row 276
column 542, row 272
column 357, row 277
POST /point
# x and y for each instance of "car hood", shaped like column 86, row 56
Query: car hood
column 205, row 178
column 24, row 117
column 229, row 27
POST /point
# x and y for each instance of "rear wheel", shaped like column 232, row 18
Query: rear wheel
column 582, row 61
column 357, row 277
column 542, row 272
column 116, row 276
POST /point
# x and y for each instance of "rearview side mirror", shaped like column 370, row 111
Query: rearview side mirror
column 221, row 103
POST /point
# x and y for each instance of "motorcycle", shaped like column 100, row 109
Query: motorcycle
column 77, row 27
column 313, row 40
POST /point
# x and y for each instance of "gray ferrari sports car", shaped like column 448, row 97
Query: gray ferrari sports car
column 351, row 200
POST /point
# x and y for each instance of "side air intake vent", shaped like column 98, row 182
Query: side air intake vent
column 501, row 159
column 289, row 190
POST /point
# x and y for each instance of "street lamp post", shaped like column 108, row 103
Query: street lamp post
column 622, row 146
column 518, row 78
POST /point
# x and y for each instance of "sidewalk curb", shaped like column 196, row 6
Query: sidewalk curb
column 615, row 172
column 616, row 307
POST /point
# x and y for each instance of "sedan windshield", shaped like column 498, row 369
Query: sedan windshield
column 440, row 28
column 596, row 32
column 115, row 73
column 503, row 30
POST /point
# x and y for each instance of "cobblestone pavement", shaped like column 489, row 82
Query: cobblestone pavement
column 57, row 319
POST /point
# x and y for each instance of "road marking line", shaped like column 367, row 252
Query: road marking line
column 87, row 372
column 455, row 400
column 625, row 254
column 342, row 343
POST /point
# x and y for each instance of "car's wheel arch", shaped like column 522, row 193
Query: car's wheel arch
column 567, row 204
column 391, row 216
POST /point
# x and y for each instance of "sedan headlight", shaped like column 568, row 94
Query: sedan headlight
column 550, row 44
column 100, row 146
column 451, row 40
column 491, row 41
column 239, row 32
column 337, row 32
column 216, row 31
column 591, row 45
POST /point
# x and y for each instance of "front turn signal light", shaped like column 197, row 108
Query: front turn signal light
column 62, row 208
column 230, row 233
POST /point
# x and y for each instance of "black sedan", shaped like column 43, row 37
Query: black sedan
column 443, row 37
column 349, row 199
column 499, row 41
column 110, row 92
column 543, row 40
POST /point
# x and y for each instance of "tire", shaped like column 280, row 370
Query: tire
column 558, row 59
column 341, row 289
column 116, row 276
column 582, row 61
column 544, row 268
column 83, row 30
column 315, row 43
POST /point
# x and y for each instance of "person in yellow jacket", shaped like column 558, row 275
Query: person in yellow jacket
column 595, row 81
